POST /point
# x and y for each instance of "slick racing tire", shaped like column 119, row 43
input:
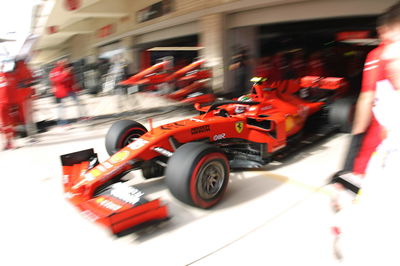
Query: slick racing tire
column 121, row 133
column 341, row 114
column 198, row 174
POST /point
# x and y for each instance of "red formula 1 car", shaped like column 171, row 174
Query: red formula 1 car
column 188, row 84
column 195, row 155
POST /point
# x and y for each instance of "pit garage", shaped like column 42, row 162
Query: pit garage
column 335, row 47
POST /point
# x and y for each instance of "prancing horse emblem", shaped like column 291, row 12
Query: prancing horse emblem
column 239, row 126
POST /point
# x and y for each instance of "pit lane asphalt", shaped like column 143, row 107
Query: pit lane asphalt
column 277, row 215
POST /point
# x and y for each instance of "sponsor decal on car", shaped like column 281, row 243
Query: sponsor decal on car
column 219, row 136
column 239, row 126
column 197, row 120
column 171, row 126
column 108, row 204
column 201, row 129
column 126, row 193
column 107, row 165
column 92, row 174
column 137, row 144
column 101, row 168
column 88, row 177
column 65, row 179
column 119, row 157
column 163, row 151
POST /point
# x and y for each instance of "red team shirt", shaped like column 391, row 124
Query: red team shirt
column 373, row 72
column 62, row 80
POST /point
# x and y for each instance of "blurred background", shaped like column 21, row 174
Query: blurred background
column 95, row 34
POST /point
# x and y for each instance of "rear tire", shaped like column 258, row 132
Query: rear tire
column 341, row 114
column 198, row 174
column 122, row 133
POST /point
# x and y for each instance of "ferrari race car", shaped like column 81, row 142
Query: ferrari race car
column 188, row 84
column 195, row 155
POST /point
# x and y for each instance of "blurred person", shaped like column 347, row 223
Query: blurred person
column 6, row 103
column 366, row 131
column 239, row 66
column 18, row 79
column 24, row 97
column 370, row 232
column 64, row 86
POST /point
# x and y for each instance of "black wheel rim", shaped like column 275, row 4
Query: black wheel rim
column 131, row 138
column 210, row 180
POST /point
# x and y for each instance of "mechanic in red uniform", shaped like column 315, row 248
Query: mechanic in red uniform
column 23, row 95
column 365, row 121
column 63, row 86
column 366, row 130
column 6, row 102
column 373, row 220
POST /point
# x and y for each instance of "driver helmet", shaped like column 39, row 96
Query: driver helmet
column 241, row 108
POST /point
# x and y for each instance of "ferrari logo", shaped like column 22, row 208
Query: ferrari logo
column 239, row 127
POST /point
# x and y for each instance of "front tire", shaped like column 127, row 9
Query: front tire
column 198, row 174
column 122, row 133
